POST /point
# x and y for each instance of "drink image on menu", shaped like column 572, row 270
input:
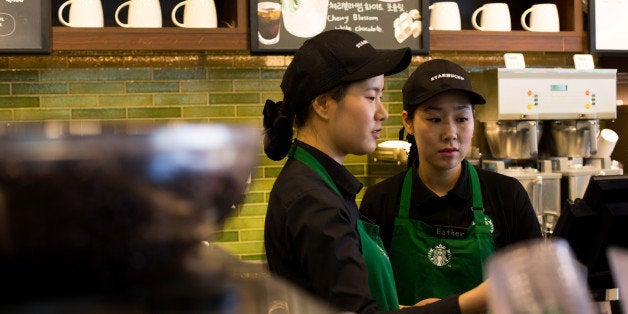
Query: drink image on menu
column 269, row 19
column 304, row 19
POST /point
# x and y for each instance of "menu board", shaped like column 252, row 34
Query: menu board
column 282, row 26
column 608, row 25
column 25, row 26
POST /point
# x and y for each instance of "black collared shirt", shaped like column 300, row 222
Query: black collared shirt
column 311, row 237
column 505, row 201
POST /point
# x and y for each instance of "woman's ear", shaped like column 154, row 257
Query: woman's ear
column 407, row 122
column 321, row 106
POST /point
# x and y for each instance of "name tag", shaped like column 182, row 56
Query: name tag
column 449, row 232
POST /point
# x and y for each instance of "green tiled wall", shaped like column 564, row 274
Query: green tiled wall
column 205, row 86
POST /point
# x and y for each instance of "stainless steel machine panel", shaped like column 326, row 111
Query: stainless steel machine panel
column 546, row 94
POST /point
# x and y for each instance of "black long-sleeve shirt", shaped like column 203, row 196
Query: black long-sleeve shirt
column 505, row 201
column 311, row 237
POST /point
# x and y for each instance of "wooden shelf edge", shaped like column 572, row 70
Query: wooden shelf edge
column 167, row 38
column 171, row 38
column 472, row 40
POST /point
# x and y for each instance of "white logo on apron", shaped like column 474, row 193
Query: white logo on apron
column 489, row 223
column 439, row 255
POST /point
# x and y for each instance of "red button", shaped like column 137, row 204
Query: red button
column 587, row 92
column 529, row 92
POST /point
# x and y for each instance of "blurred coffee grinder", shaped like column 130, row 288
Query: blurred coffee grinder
column 115, row 218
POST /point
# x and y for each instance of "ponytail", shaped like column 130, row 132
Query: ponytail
column 413, row 155
column 277, row 129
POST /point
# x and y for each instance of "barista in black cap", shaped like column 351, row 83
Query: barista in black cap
column 313, row 233
column 442, row 218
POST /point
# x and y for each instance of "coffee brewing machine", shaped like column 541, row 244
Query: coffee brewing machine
column 541, row 125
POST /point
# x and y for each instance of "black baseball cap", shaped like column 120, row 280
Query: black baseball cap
column 332, row 58
column 434, row 77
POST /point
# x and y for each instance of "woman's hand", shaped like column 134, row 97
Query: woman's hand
column 471, row 302
column 421, row 303
column 475, row 300
column 427, row 301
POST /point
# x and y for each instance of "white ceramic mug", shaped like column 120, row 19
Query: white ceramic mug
column 83, row 13
column 196, row 14
column 445, row 16
column 495, row 17
column 543, row 18
column 142, row 13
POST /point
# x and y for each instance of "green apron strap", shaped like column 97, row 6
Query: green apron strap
column 474, row 182
column 476, row 190
column 380, row 275
column 406, row 189
column 303, row 156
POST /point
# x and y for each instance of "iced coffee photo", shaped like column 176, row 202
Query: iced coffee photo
column 269, row 18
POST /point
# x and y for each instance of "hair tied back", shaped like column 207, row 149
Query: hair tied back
column 271, row 112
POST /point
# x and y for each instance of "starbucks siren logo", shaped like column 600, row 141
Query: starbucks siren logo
column 439, row 255
column 489, row 222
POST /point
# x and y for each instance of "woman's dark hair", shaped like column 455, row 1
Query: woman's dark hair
column 413, row 155
column 278, row 120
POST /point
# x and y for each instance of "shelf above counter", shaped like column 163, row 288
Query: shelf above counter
column 234, row 33
column 166, row 38
column 174, row 38
column 474, row 40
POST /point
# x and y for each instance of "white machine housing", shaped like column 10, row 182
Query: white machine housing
column 546, row 94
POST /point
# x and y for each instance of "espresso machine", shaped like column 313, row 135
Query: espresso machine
column 538, row 122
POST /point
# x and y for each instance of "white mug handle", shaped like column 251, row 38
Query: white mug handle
column 173, row 14
column 65, row 4
column 118, row 11
column 523, row 20
column 473, row 19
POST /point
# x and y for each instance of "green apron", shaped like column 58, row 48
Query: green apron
column 439, row 261
column 380, row 277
